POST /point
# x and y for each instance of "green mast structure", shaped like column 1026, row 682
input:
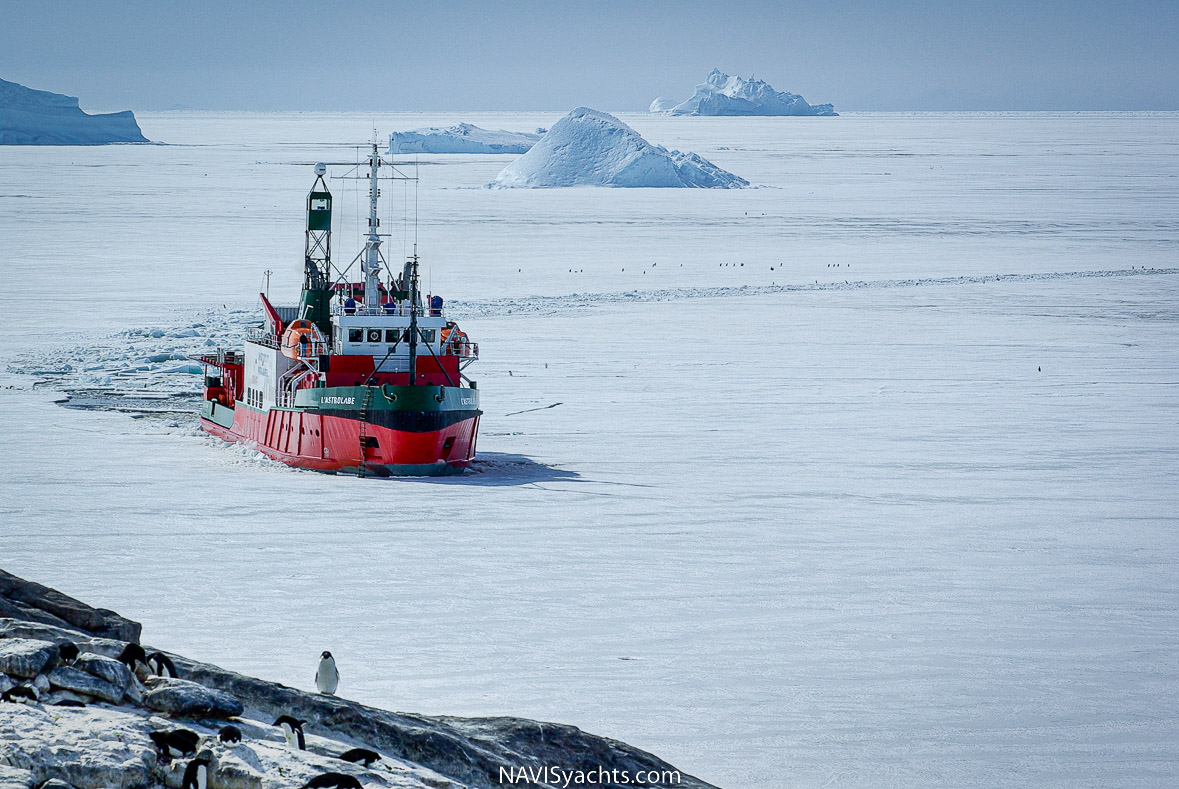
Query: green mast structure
column 315, row 303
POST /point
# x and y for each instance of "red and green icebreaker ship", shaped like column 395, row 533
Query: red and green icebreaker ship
column 363, row 378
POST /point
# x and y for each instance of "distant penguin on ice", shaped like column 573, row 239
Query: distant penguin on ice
column 292, row 729
column 196, row 774
column 327, row 678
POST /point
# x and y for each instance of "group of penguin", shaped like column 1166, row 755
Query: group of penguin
column 182, row 742
column 132, row 656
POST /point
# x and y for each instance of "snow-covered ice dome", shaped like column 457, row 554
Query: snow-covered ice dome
column 721, row 94
column 38, row 117
column 460, row 138
column 592, row 148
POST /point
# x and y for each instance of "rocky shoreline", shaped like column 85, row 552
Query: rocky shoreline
column 93, row 716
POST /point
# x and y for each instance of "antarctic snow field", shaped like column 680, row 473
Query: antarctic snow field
column 863, row 476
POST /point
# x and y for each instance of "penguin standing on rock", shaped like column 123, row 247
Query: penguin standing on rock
column 360, row 756
column 334, row 781
column 196, row 774
column 69, row 652
column 174, row 744
column 230, row 733
column 292, row 729
column 21, row 694
column 327, row 678
column 131, row 655
column 161, row 665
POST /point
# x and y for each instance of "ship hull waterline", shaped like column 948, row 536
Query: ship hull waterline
column 395, row 443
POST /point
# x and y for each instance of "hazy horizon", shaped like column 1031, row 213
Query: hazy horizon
column 552, row 56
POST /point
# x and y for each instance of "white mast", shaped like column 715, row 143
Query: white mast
column 371, row 264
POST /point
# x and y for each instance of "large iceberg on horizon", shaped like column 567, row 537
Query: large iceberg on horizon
column 38, row 117
column 721, row 94
column 592, row 148
column 460, row 138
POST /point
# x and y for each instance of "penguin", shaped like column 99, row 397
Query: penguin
column 337, row 780
column 69, row 652
column 69, row 703
column 159, row 663
column 230, row 734
column 132, row 654
column 360, row 756
column 196, row 774
column 327, row 678
column 292, row 729
column 174, row 744
column 21, row 694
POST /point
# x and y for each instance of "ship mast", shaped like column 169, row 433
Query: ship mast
column 315, row 303
column 411, row 268
column 371, row 264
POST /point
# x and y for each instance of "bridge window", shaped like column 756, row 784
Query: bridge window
column 428, row 335
column 356, row 335
column 374, row 335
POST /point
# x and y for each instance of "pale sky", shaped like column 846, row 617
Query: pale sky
column 614, row 56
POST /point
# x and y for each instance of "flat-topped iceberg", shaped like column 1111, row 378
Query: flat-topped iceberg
column 721, row 94
column 460, row 138
column 38, row 117
column 591, row 148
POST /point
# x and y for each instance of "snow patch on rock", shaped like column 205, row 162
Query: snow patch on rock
column 461, row 138
column 38, row 117
column 592, row 148
column 721, row 94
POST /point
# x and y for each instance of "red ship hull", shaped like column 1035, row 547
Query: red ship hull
column 305, row 439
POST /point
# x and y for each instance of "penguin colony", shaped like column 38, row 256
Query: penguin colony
column 179, row 743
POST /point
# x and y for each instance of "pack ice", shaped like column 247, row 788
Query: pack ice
column 460, row 138
column 38, row 117
column 592, row 148
column 721, row 94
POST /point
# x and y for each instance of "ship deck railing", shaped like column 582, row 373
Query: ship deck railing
column 262, row 336
column 463, row 350
column 399, row 311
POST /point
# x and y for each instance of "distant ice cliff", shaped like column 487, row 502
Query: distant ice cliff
column 591, row 148
column 721, row 94
column 38, row 117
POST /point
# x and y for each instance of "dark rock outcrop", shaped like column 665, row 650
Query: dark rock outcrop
column 50, row 606
column 78, row 681
column 26, row 659
column 105, row 668
column 183, row 699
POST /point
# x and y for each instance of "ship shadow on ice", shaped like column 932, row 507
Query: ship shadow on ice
column 504, row 468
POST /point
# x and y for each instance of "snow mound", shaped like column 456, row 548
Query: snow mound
column 721, row 94
column 591, row 148
column 38, row 117
column 461, row 138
